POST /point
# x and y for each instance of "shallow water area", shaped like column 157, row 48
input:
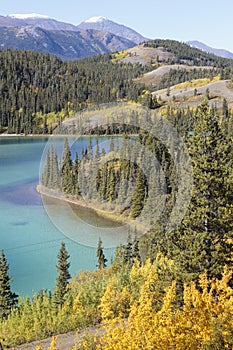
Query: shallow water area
column 28, row 234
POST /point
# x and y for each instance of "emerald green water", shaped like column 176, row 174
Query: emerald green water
column 29, row 237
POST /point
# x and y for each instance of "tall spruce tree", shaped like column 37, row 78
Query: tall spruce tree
column 51, row 174
column 128, row 256
column 139, row 195
column 204, row 240
column 63, row 276
column 66, row 169
column 7, row 298
column 75, row 170
column 102, row 261
column 97, row 149
column 54, row 178
column 111, row 187
column 103, row 182
column 46, row 170
column 225, row 110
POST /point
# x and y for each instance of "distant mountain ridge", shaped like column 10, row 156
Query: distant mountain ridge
column 97, row 23
column 40, row 33
column 67, row 45
column 218, row 52
column 36, row 20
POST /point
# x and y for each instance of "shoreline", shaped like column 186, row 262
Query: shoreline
column 23, row 135
column 81, row 203
column 64, row 135
column 115, row 217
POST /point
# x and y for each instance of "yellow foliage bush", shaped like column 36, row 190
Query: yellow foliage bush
column 204, row 319
column 39, row 347
column 196, row 83
column 53, row 345
column 119, row 56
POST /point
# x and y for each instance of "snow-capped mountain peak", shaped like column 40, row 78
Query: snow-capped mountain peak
column 27, row 15
column 96, row 19
column 106, row 25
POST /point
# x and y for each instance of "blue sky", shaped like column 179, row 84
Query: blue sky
column 208, row 21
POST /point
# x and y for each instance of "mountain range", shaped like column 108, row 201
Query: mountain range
column 96, row 35
column 67, row 45
column 96, row 23
column 217, row 52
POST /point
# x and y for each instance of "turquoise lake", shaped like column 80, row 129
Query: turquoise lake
column 31, row 232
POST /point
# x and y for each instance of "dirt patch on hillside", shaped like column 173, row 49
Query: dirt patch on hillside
column 146, row 55
column 154, row 77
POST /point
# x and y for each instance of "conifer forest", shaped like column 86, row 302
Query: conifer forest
column 166, row 171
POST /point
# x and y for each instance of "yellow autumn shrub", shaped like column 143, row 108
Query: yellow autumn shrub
column 39, row 347
column 53, row 345
column 204, row 319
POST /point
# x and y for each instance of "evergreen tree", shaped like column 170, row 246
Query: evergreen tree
column 91, row 185
column 103, row 180
column 139, row 195
column 97, row 150
column 225, row 110
column 123, row 192
column 204, row 240
column 54, row 170
column 66, row 169
column 153, row 103
column 135, row 248
column 51, row 175
column 75, row 171
column 46, row 170
column 119, row 257
column 207, row 94
column 7, row 298
column 63, row 276
column 155, row 202
column 128, row 256
column 102, row 261
column 111, row 187
column 168, row 91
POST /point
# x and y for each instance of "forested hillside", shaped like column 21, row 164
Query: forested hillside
column 39, row 91
column 184, row 53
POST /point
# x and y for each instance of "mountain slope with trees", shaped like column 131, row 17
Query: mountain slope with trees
column 35, row 100
column 39, row 91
